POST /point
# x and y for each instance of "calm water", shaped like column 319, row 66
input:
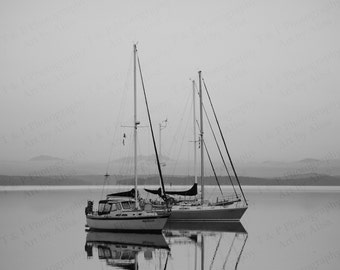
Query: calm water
column 284, row 228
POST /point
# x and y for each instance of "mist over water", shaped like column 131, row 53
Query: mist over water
column 66, row 76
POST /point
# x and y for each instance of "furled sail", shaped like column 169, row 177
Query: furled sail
column 190, row 192
column 130, row 193
column 154, row 191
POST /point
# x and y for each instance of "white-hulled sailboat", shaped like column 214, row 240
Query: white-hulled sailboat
column 231, row 209
column 118, row 211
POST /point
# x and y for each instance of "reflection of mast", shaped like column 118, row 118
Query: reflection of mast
column 227, row 257
column 136, row 262
column 202, row 253
column 200, row 234
column 239, row 256
column 196, row 256
column 217, row 246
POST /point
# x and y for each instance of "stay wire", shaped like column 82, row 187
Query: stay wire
column 211, row 164
column 225, row 145
column 122, row 106
column 152, row 133
column 219, row 150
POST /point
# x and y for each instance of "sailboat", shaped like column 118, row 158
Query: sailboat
column 231, row 209
column 121, row 211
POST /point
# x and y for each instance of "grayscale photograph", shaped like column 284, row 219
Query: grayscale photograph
column 178, row 135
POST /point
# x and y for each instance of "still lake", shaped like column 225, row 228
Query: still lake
column 284, row 228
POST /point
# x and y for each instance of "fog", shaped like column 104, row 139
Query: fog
column 66, row 85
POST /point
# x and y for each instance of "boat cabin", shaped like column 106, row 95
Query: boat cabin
column 107, row 206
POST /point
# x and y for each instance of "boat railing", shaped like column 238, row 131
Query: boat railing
column 234, row 200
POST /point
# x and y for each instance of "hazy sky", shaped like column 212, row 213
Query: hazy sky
column 272, row 68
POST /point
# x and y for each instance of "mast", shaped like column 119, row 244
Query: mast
column 194, row 122
column 135, row 119
column 160, row 147
column 201, row 135
column 161, row 126
column 160, row 142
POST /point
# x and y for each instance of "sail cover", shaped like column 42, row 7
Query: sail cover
column 154, row 191
column 130, row 193
column 190, row 192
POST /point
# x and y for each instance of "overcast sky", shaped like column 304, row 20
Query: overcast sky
column 272, row 68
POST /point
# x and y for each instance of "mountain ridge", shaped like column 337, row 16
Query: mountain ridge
column 313, row 180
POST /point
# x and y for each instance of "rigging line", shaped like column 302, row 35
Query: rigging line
column 122, row 105
column 182, row 135
column 225, row 145
column 214, row 256
column 176, row 137
column 219, row 150
column 213, row 168
column 229, row 251
column 126, row 162
column 153, row 136
column 211, row 164
column 106, row 177
column 239, row 256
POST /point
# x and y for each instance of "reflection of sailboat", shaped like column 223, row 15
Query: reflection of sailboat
column 122, row 249
column 212, row 226
column 227, row 209
column 221, row 244
column 119, row 213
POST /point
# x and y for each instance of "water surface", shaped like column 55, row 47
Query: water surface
column 284, row 228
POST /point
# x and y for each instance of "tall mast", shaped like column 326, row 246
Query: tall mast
column 194, row 122
column 135, row 118
column 160, row 142
column 162, row 125
column 201, row 135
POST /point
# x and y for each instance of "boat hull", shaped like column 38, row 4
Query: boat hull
column 136, row 224
column 207, row 214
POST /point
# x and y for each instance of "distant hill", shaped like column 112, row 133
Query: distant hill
column 303, row 180
column 149, row 158
column 46, row 165
column 45, row 158
column 309, row 160
column 57, row 180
